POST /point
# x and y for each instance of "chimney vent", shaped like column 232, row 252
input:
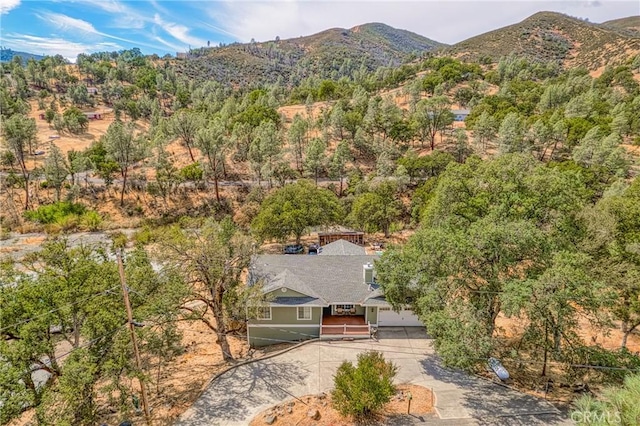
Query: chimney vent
column 368, row 273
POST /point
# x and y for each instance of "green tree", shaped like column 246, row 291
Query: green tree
column 294, row 208
column 511, row 134
column 485, row 225
column 297, row 135
column 338, row 163
column 362, row 390
column 265, row 151
column 459, row 145
column 74, row 120
column 315, row 160
column 125, row 149
column 76, row 290
column 553, row 302
column 484, row 131
column 212, row 144
column 167, row 175
column 596, row 150
column 56, row 169
column 185, row 125
column 20, row 137
column 213, row 260
column 49, row 114
column 377, row 210
column 432, row 115
column 612, row 238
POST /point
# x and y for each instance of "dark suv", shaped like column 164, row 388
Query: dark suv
column 294, row 249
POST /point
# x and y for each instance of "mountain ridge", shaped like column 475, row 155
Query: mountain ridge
column 552, row 36
column 331, row 53
column 7, row 55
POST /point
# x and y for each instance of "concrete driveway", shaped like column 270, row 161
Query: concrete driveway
column 240, row 394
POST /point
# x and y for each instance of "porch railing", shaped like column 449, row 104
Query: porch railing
column 347, row 329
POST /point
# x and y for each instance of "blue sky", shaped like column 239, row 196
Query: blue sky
column 69, row 27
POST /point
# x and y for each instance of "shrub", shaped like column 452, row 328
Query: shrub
column 616, row 406
column 55, row 213
column 193, row 172
column 91, row 220
column 364, row 389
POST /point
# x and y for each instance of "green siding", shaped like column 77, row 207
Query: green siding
column 289, row 315
column 372, row 315
column 262, row 336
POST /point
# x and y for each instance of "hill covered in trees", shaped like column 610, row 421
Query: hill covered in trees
column 550, row 36
column 629, row 25
column 7, row 55
column 333, row 53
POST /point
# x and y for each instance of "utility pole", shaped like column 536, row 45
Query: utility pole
column 125, row 294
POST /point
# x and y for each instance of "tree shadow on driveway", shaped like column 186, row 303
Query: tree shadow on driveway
column 489, row 402
column 236, row 396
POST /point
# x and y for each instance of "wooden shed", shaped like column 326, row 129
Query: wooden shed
column 325, row 238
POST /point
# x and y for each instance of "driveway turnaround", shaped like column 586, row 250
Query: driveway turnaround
column 240, row 394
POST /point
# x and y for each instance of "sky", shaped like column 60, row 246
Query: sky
column 70, row 27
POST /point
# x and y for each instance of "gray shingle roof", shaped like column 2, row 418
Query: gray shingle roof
column 287, row 279
column 340, row 248
column 333, row 279
column 376, row 301
column 296, row 301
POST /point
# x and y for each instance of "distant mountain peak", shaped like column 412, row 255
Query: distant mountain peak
column 7, row 55
column 328, row 54
column 552, row 36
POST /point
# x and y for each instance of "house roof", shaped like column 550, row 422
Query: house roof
column 341, row 247
column 296, row 301
column 288, row 279
column 461, row 111
column 330, row 279
column 375, row 298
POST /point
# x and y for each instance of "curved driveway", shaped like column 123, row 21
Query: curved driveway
column 240, row 394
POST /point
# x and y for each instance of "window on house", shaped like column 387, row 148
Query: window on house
column 264, row 313
column 344, row 307
column 304, row 313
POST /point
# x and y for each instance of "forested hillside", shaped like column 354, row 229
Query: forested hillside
column 333, row 53
column 513, row 231
column 550, row 36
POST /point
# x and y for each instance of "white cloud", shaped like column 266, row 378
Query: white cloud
column 7, row 5
column 73, row 25
column 52, row 46
column 179, row 32
column 445, row 21
column 123, row 15
column 67, row 23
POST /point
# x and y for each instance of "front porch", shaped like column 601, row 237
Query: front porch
column 344, row 326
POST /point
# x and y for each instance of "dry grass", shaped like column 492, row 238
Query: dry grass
column 295, row 412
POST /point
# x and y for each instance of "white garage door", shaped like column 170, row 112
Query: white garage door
column 390, row 318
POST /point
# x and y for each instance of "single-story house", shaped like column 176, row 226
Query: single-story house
column 460, row 114
column 327, row 296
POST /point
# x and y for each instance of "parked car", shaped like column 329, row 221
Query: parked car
column 294, row 249
column 313, row 249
